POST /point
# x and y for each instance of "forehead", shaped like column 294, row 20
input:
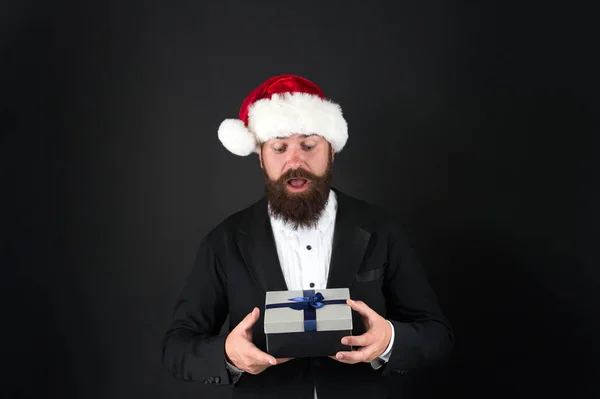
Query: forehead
column 298, row 137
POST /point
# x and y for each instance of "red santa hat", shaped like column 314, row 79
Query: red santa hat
column 280, row 107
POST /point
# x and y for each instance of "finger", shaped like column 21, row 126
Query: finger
column 250, row 319
column 352, row 357
column 256, row 369
column 259, row 357
column 283, row 360
column 358, row 340
column 360, row 307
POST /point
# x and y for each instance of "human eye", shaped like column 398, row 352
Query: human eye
column 308, row 146
column 278, row 148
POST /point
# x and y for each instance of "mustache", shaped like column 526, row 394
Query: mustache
column 297, row 174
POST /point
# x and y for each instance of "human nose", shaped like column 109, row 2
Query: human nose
column 296, row 159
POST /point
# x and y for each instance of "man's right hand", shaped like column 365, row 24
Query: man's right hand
column 242, row 353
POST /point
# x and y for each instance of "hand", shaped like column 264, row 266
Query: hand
column 242, row 353
column 373, row 342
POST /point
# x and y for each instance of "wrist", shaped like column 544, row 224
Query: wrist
column 389, row 340
column 227, row 358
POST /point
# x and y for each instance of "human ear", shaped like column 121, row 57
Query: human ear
column 259, row 152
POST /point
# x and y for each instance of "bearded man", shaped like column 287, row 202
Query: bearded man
column 303, row 234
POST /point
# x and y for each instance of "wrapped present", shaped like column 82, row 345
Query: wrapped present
column 307, row 323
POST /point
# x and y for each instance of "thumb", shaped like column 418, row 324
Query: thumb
column 250, row 319
column 361, row 308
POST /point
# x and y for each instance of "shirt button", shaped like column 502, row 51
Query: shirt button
column 312, row 285
column 308, row 247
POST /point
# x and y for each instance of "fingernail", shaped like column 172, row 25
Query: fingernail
column 340, row 356
column 272, row 362
column 344, row 341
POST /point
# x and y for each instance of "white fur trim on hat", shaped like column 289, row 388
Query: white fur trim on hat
column 236, row 137
column 290, row 113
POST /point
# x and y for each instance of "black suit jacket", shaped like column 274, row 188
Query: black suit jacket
column 237, row 263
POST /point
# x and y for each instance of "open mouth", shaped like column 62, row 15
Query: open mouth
column 297, row 184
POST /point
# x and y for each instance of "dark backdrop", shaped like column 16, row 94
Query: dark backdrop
column 470, row 122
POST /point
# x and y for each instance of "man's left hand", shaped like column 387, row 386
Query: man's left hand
column 373, row 342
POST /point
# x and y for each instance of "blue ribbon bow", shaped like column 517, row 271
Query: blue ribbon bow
column 309, row 303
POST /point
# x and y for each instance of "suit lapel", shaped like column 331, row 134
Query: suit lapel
column 256, row 243
column 350, row 242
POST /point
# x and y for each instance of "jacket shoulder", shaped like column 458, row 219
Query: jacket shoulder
column 366, row 210
column 230, row 224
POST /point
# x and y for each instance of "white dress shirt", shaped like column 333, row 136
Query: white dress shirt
column 304, row 256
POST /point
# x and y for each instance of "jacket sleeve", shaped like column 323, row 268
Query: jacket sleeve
column 192, row 348
column 423, row 335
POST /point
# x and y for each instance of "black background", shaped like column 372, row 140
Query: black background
column 472, row 122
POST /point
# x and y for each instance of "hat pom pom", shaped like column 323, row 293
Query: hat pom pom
column 235, row 136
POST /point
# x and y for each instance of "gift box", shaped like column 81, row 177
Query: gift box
column 307, row 323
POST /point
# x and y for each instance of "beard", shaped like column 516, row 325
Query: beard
column 299, row 209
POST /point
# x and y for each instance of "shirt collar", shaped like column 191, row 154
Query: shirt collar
column 327, row 217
